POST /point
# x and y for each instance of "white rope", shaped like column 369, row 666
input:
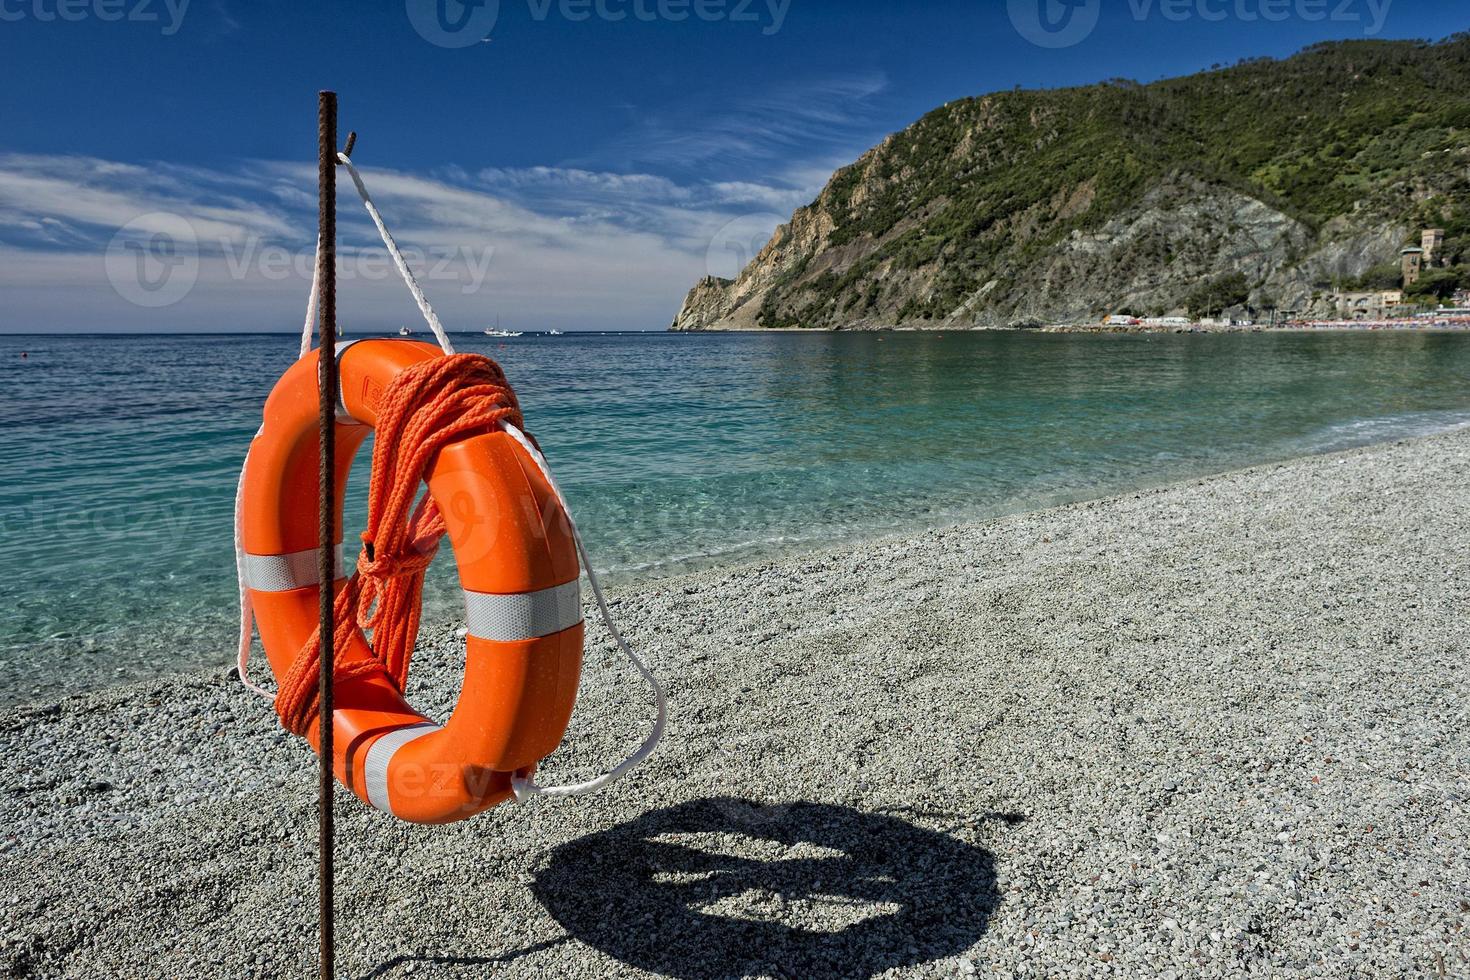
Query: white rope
column 247, row 610
column 308, row 329
column 392, row 246
column 525, row 788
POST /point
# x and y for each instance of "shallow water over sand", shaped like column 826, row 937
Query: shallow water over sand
column 121, row 453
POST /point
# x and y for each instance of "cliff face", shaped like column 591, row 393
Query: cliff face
column 1268, row 184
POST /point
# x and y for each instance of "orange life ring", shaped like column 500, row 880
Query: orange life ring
column 518, row 566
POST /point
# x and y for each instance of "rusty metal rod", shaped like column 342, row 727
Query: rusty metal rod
column 326, row 491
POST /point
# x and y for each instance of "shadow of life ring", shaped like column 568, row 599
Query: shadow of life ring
column 725, row 887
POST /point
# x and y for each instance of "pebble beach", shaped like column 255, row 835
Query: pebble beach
column 1212, row 729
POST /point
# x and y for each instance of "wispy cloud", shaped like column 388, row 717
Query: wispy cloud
column 754, row 127
column 85, row 194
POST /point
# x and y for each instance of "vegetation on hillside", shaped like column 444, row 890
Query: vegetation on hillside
column 1357, row 128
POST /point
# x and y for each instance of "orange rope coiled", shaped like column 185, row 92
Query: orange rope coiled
column 426, row 406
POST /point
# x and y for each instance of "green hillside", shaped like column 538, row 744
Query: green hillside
column 1339, row 139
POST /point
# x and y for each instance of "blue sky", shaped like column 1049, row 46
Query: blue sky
column 559, row 163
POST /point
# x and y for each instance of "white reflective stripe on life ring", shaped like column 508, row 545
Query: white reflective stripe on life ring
column 282, row 573
column 523, row 615
column 380, row 756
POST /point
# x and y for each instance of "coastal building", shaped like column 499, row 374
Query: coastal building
column 1372, row 305
column 1412, row 260
column 1432, row 242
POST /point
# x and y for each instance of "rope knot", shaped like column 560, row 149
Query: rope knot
column 384, row 568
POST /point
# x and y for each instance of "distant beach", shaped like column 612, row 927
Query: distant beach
column 1211, row 729
column 1448, row 323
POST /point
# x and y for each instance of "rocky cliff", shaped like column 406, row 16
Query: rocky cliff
column 1268, row 184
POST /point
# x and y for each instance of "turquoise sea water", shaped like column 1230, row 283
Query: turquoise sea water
column 120, row 454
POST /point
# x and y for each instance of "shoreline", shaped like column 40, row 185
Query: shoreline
column 749, row 556
column 1203, row 727
column 1324, row 326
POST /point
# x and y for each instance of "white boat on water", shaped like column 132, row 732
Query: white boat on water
column 405, row 332
column 553, row 333
column 495, row 331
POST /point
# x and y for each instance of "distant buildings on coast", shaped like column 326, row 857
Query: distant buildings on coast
column 1382, row 304
column 1428, row 255
column 1377, row 304
column 1398, row 307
